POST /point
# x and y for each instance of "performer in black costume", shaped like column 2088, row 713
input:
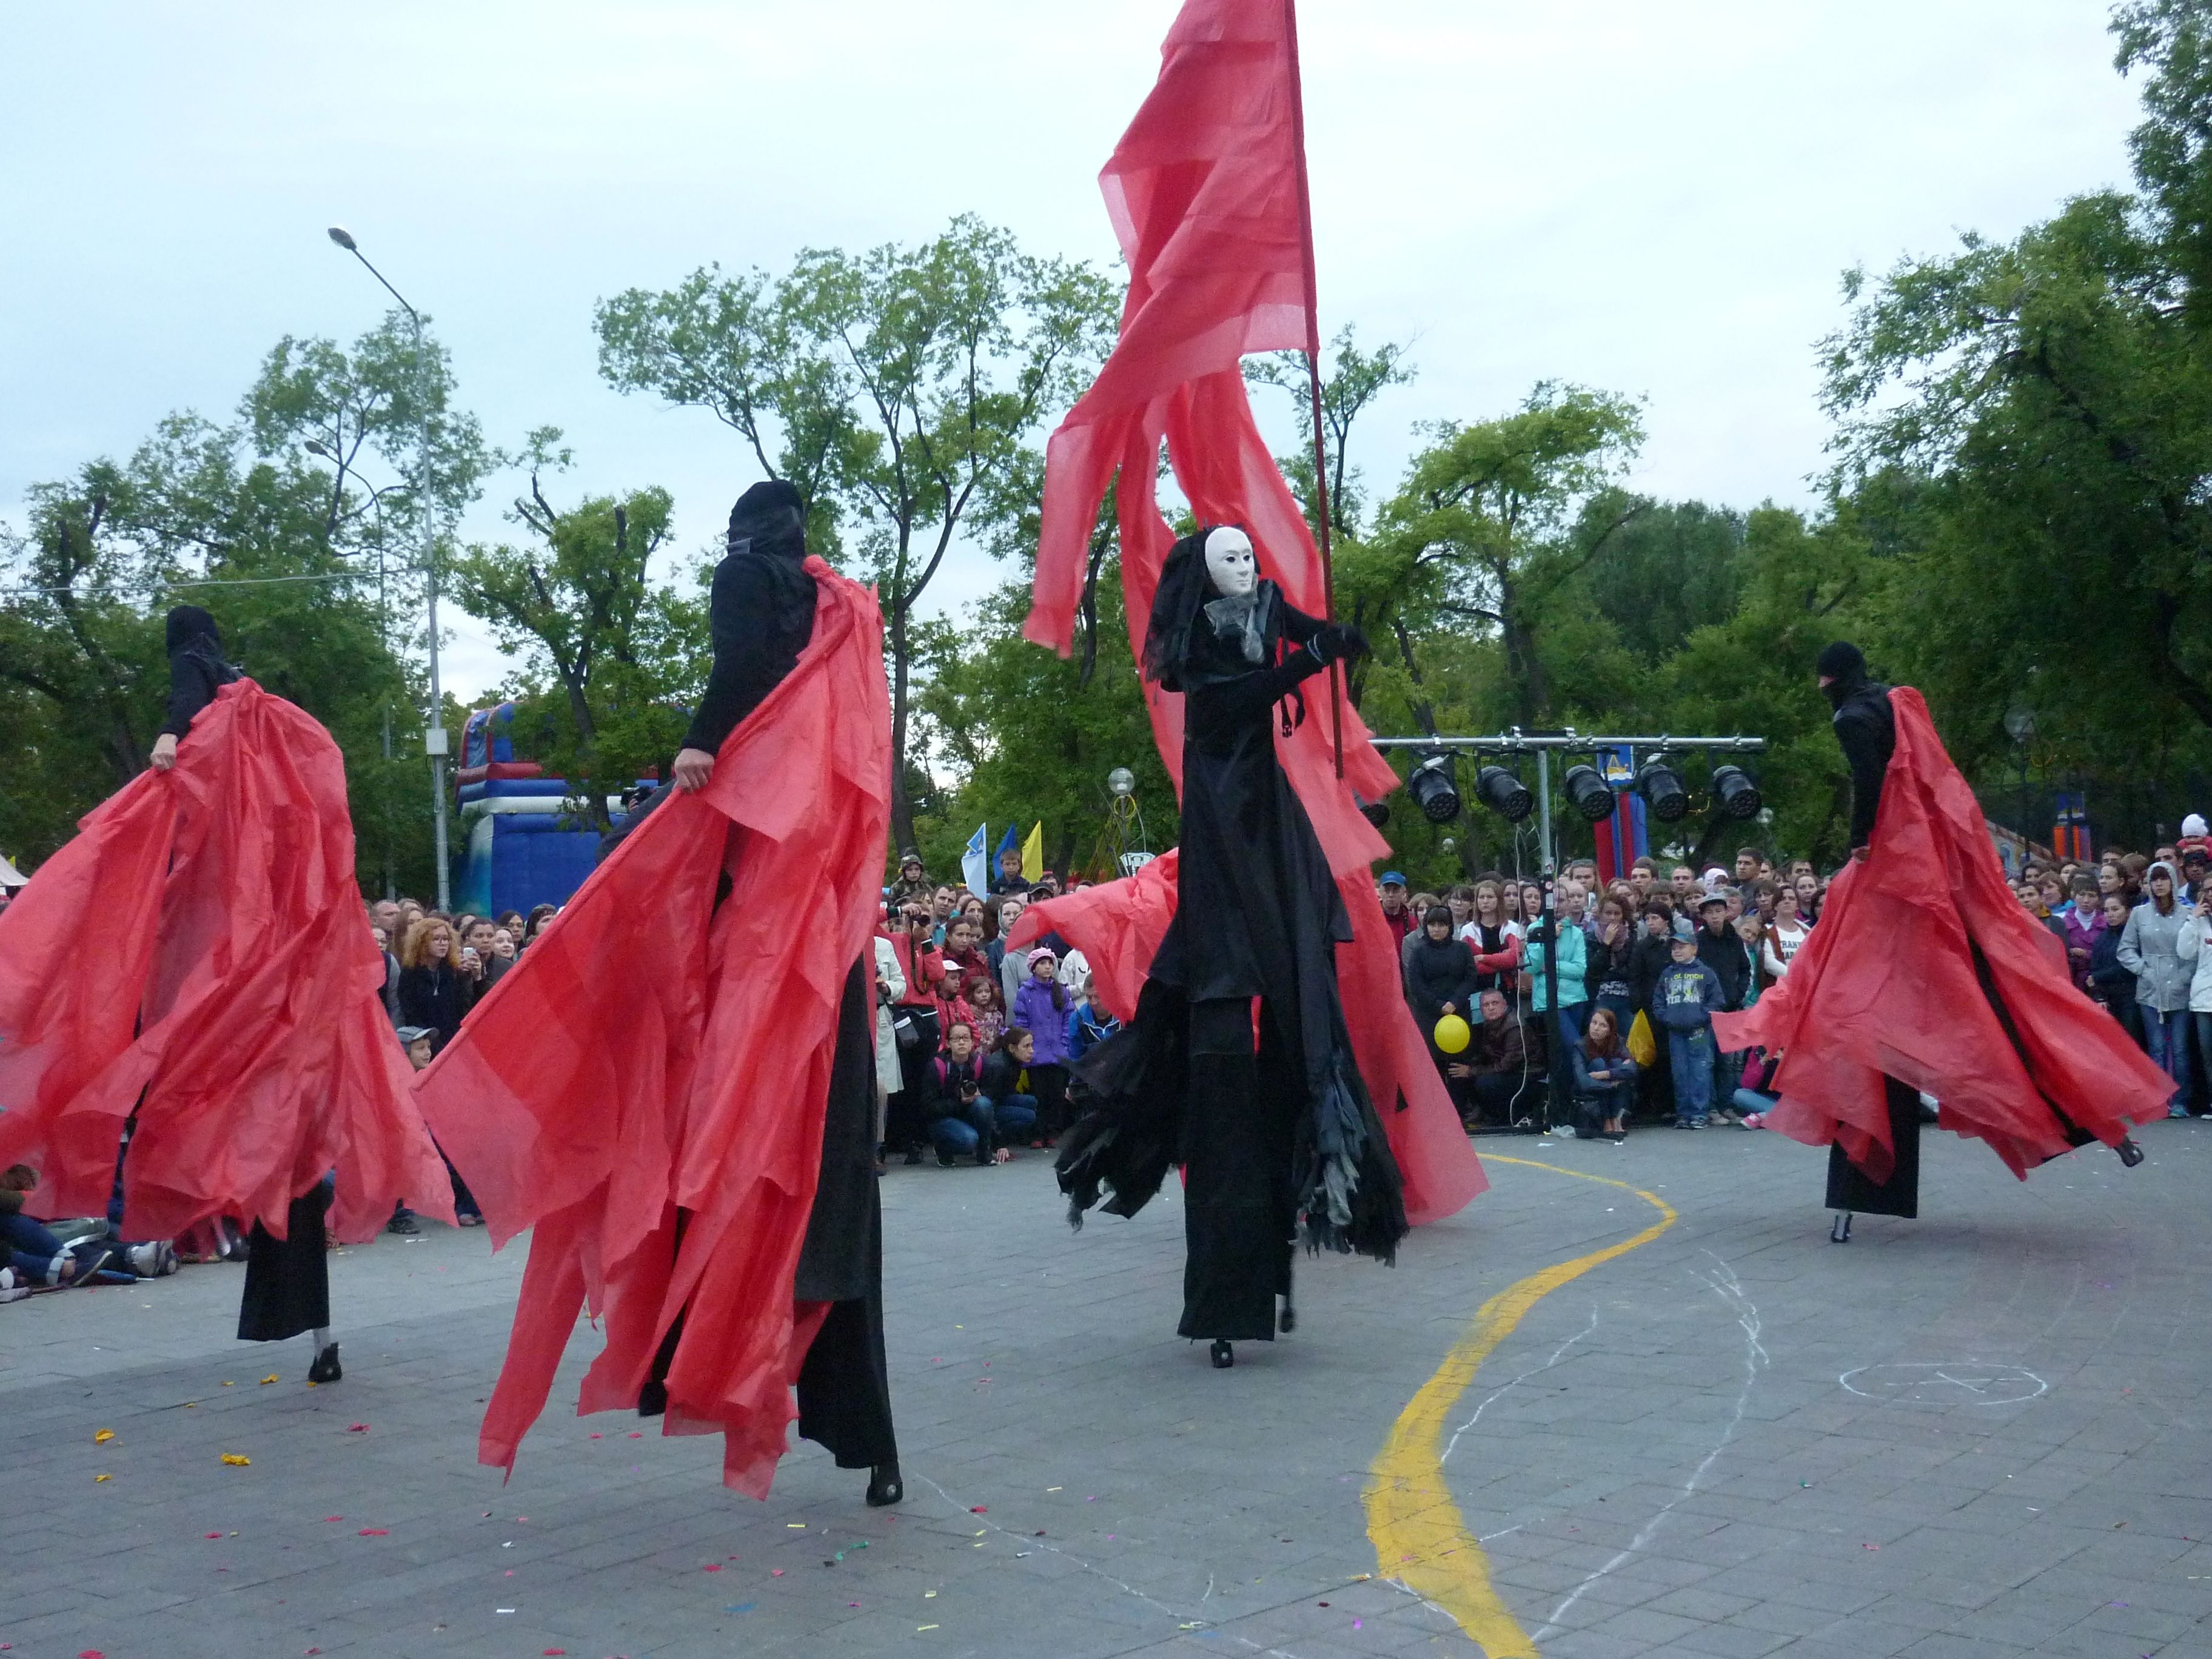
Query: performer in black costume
column 760, row 615
column 1276, row 1132
column 287, row 1280
column 1866, row 730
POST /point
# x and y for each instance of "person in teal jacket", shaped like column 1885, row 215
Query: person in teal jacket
column 1574, row 994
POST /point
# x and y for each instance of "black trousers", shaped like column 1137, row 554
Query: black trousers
column 1848, row 1188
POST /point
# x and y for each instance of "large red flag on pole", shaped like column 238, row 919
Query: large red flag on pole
column 1206, row 191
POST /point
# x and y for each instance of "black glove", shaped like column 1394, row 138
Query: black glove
column 1338, row 640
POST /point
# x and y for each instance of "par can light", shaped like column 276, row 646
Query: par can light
column 1661, row 786
column 1504, row 793
column 1433, row 788
column 1587, row 792
column 1735, row 793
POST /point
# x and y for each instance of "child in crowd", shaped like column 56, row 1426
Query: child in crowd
column 1041, row 1009
column 421, row 1042
column 1007, row 1087
column 1088, row 1024
column 1687, row 994
column 985, row 1016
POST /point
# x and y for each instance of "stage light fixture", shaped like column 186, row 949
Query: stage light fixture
column 1376, row 813
column 1433, row 788
column 1735, row 793
column 1661, row 786
column 1587, row 793
column 1504, row 793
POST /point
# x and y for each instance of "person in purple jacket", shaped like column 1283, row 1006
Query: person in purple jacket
column 2080, row 928
column 1041, row 1007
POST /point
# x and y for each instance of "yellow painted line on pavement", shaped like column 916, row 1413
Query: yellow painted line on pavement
column 1419, row 1534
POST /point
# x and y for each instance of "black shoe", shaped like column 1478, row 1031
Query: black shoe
column 1223, row 1355
column 913, row 1156
column 884, row 1486
column 946, row 1160
column 327, row 1368
column 1289, row 1322
column 403, row 1224
column 2130, row 1154
column 983, row 1155
column 652, row 1400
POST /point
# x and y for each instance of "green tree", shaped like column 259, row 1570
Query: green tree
column 897, row 389
column 1490, row 528
column 1030, row 739
column 613, row 654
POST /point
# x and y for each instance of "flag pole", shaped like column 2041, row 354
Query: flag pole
column 1313, row 368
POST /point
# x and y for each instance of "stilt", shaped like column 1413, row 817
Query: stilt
column 1223, row 1355
column 1840, row 1233
column 1289, row 1322
column 2130, row 1154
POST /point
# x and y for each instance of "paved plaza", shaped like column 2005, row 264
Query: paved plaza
column 1975, row 1436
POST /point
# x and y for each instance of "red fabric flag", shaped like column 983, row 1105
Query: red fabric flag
column 198, row 954
column 1887, row 984
column 654, row 1050
column 1205, row 191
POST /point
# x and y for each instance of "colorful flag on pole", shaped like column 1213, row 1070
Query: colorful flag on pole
column 1033, row 854
column 974, row 863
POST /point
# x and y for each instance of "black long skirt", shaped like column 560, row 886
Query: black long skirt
column 287, row 1280
column 1848, row 1188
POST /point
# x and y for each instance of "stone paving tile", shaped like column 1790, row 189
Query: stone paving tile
column 1690, row 1451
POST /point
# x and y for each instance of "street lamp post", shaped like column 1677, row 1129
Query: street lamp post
column 434, row 739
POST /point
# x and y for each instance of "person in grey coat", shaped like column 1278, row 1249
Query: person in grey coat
column 2150, row 949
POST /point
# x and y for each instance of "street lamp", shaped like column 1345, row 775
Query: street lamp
column 434, row 739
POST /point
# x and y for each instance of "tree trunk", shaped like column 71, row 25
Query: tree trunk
column 1531, row 696
column 1425, row 714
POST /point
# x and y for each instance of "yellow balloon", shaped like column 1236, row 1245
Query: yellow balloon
column 1452, row 1035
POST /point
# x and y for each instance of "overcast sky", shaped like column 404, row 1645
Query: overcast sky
column 1655, row 200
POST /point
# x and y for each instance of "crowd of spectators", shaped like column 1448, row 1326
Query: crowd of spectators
column 1642, row 964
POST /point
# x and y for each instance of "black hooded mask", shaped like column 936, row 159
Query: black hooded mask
column 190, row 628
column 1845, row 667
column 1185, row 645
column 772, row 518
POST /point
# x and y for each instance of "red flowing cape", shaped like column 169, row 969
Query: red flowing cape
column 1886, row 983
column 201, row 942
column 652, row 1052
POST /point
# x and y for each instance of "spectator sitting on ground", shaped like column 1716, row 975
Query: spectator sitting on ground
column 420, row 1043
column 1007, row 1086
column 1495, row 1066
column 35, row 1256
column 960, row 1121
column 1604, row 1079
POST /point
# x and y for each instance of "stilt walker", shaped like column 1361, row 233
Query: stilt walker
column 1925, row 976
column 674, row 1089
column 1270, row 1049
column 192, row 977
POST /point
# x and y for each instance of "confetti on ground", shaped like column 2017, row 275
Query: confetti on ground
column 97, row 1479
column 235, row 1461
column 103, row 1436
column 712, row 1566
column 741, row 1606
column 230, row 1385
column 795, row 1526
column 918, row 1629
column 775, row 1572
column 375, row 1532
column 215, row 1534
column 267, row 1380
column 928, row 1595
column 550, row 1652
column 1055, row 1489
column 334, row 1517
column 637, row 1434
column 979, row 1509
column 598, row 1437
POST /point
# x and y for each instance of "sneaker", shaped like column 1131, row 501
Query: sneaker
column 467, row 1218
column 403, row 1223
column 144, row 1260
column 2177, row 1111
column 1696, row 1123
column 913, row 1156
column 944, row 1160
column 1684, row 1123
column 1752, row 1120
column 9, row 1290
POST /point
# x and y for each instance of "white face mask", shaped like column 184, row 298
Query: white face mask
column 1231, row 563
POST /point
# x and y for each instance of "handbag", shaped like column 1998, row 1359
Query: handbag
column 1643, row 1047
